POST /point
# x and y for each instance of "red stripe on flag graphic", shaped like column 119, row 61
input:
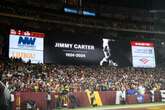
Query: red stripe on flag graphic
column 144, row 60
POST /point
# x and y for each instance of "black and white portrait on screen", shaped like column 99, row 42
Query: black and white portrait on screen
column 107, row 60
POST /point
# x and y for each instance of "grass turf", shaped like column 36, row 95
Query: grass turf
column 116, row 107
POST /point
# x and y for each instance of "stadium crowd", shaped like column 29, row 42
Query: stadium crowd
column 20, row 76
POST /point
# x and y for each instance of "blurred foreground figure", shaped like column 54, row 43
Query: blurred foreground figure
column 4, row 97
column 107, row 54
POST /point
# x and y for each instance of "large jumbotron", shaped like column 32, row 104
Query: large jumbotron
column 82, row 55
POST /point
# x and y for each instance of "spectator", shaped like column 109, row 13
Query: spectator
column 19, row 76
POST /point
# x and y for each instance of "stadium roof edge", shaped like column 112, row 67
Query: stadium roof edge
column 76, row 24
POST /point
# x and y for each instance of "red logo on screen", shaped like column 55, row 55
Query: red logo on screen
column 144, row 60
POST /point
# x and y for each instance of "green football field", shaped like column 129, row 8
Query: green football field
column 150, row 106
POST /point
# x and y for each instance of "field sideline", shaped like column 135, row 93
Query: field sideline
column 150, row 106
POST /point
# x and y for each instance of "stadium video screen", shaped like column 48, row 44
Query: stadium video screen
column 81, row 7
column 26, row 45
column 89, row 7
column 67, row 48
column 143, row 54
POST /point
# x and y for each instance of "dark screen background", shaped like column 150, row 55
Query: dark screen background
column 120, row 49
